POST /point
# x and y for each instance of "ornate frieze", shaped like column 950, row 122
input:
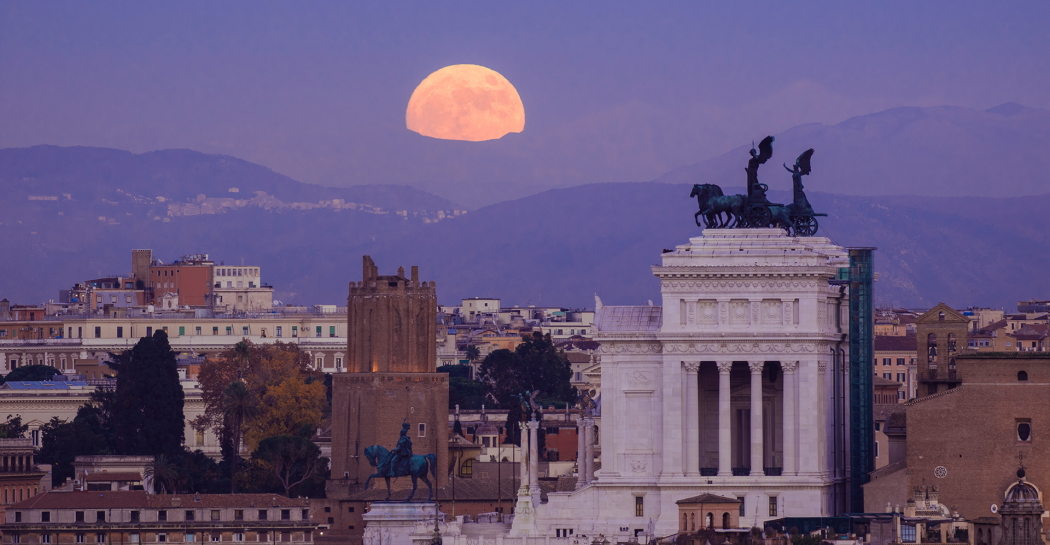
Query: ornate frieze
column 740, row 348
column 638, row 378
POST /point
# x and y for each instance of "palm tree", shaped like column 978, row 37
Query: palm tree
column 472, row 352
column 238, row 406
column 163, row 474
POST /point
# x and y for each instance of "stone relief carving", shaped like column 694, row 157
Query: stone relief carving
column 738, row 312
column 707, row 312
column 723, row 312
column 788, row 314
column 691, row 366
column 725, row 366
column 690, row 312
column 740, row 348
column 756, row 312
column 756, row 366
column 638, row 463
column 639, row 378
column 630, row 348
column 737, row 284
column 822, row 365
column 789, row 366
column 771, row 311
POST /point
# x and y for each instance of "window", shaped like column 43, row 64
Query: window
column 295, row 331
column 45, row 516
column 162, row 538
column 188, row 538
column 286, row 536
column 229, row 330
column 886, row 361
column 279, row 331
column 339, row 363
column 15, row 538
column 189, row 515
column 216, row 536
column 238, row 514
column 182, row 330
column 215, row 514
column 100, row 537
column 741, row 498
column 199, row 440
column 238, row 536
column 350, row 510
column 331, row 332
column 317, row 331
column 422, row 432
column 907, row 533
column 467, row 469
column 1022, row 375
column 244, row 330
column 79, row 517
column 900, row 377
column 319, row 362
column 162, row 516
column 45, row 538
column 639, row 506
column 900, row 361
column 98, row 332
column 887, row 376
column 878, row 426
column 262, row 514
column 286, row 514
column 306, row 514
column 134, row 516
column 149, row 331
column 18, row 516
column 773, row 501
column 198, row 329
column 80, row 538
column 1024, row 430
column 120, row 332
column 135, row 538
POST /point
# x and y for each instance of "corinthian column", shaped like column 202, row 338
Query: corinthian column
column 725, row 421
column 790, row 369
column 581, row 450
column 692, row 418
column 534, row 462
column 757, row 460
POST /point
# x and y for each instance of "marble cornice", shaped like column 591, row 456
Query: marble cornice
column 746, row 271
column 805, row 348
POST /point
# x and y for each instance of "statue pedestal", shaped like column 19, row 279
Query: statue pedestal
column 524, row 514
column 395, row 523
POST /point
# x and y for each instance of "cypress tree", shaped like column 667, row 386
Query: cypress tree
column 147, row 415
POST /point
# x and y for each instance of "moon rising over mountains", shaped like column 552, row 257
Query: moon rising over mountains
column 465, row 102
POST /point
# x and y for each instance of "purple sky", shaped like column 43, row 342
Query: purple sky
column 612, row 92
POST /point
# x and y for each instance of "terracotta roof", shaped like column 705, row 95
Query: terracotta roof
column 1031, row 332
column 879, row 381
column 115, row 476
column 994, row 326
column 138, row 498
column 708, row 498
column 895, row 343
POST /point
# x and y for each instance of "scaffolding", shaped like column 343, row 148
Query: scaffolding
column 861, row 346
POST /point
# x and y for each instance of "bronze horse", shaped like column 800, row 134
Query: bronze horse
column 713, row 203
column 417, row 469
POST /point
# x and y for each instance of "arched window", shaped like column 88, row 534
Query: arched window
column 710, row 521
column 940, row 316
column 685, row 522
column 692, row 519
column 467, row 469
column 951, row 343
column 1022, row 375
column 725, row 521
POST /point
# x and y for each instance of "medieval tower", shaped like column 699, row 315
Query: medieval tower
column 391, row 378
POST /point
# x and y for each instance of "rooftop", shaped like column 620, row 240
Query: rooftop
column 895, row 343
column 138, row 498
column 708, row 498
column 632, row 318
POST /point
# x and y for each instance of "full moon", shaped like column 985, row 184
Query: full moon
column 465, row 102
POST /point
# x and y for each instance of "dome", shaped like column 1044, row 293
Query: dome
column 1022, row 492
column 486, row 429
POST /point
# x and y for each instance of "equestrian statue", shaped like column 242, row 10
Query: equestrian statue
column 753, row 210
column 400, row 462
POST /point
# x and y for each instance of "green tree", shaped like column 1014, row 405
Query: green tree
column 13, row 428
column 472, row 352
column 534, row 365
column 293, row 459
column 463, row 390
column 32, row 372
column 238, row 407
column 163, row 474
column 147, row 417
column 62, row 441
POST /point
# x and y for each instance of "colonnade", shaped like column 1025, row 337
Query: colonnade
column 790, row 413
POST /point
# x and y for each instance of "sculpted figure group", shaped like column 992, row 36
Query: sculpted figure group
column 754, row 210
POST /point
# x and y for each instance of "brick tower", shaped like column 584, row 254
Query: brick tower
column 391, row 378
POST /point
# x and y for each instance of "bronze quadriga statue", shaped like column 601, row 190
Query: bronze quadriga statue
column 754, row 210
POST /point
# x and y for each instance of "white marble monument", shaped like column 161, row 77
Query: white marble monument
column 736, row 386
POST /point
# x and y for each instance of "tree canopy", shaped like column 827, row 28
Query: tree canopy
column 534, row 365
column 147, row 415
column 31, row 372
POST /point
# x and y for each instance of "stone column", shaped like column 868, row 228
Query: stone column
column 534, row 461
column 692, row 418
column 3, row 362
column 790, row 463
column 523, row 467
column 757, row 460
column 581, row 449
column 589, row 450
column 725, row 421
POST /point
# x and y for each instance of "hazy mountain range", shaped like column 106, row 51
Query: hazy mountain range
column 70, row 214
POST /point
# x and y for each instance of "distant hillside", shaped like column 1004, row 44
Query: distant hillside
column 557, row 247
column 89, row 175
column 943, row 151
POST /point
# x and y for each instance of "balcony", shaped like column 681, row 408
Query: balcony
column 741, row 471
column 709, row 472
